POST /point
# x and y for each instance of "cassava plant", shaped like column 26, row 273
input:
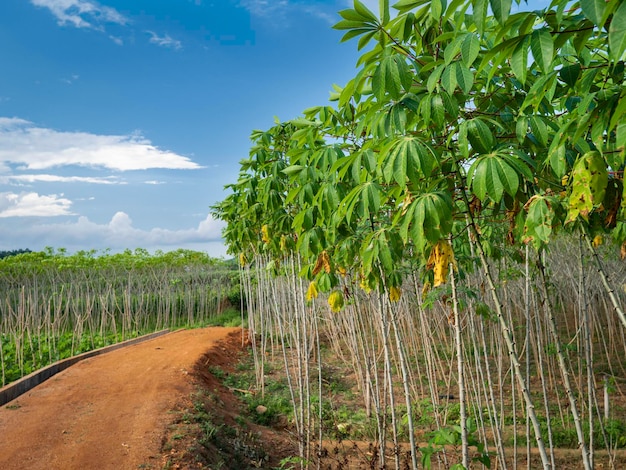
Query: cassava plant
column 472, row 122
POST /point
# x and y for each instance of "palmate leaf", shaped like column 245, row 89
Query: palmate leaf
column 479, row 135
column 391, row 75
column 365, row 199
column 427, row 219
column 365, row 12
column 407, row 157
column 490, row 176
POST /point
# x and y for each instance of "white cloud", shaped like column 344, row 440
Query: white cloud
column 33, row 205
column 164, row 41
column 277, row 11
column 264, row 7
column 118, row 234
column 34, row 178
column 36, row 148
column 81, row 13
column 72, row 78
column 117, row 40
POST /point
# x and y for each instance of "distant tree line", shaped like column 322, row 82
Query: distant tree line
column 7, row 253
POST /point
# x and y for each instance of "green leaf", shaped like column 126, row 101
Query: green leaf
column 542, row 88
column 470, row 47
column 366, row 38
column 434, row 77
column 617, row 33
column 570, row 74
column 479, row 13
column 491, row 176
column 594, row 10
column 448, row 78
column 542, row 47
column 539, row 130
column 480, row 136
column 501, row 9
column 464, row 77
column 437, row 110
column 428, row 219
column 557, row 161
column 406, row 5
column 362, row 10
column 293, row 170
column 519, row 60
column 384, row 253
column 390, row 76
column 351, row 24
column 407, row 157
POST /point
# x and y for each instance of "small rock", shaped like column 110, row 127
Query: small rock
column 261, row 409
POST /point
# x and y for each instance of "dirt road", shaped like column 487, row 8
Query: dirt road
column 106, row 412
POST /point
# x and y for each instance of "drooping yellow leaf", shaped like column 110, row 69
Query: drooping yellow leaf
column 597, row 240
column 394, row 294
column 335, row 300
column 265, row 235
column 439, row 261
column 311, row 292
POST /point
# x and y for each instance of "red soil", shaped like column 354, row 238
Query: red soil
column 107, row 412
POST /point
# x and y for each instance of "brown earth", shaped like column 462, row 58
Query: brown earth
column 111, row 411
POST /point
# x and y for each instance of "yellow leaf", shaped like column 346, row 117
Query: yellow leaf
column 311, row 292
column 242, row 259
column 394, row 294
column 365, row 284
column 265, row 236
column 439, row 261
column 335, row 300
column 425, row 289
column 597, row 240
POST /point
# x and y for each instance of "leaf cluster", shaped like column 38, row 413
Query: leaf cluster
column 461, row 114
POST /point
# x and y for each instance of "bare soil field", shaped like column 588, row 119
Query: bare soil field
column 107, row 412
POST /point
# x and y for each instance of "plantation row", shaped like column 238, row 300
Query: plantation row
column 57, row 305
column 452, row 223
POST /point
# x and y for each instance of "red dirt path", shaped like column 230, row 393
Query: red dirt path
column 106, row 412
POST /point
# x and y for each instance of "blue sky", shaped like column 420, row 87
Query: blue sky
column 121, row 121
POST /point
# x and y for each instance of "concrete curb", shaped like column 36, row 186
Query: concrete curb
column 15, row 389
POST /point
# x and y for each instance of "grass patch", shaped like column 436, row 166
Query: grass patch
column 230, row 318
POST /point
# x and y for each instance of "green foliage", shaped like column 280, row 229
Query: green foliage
column 56, row 305
column 446, row 108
